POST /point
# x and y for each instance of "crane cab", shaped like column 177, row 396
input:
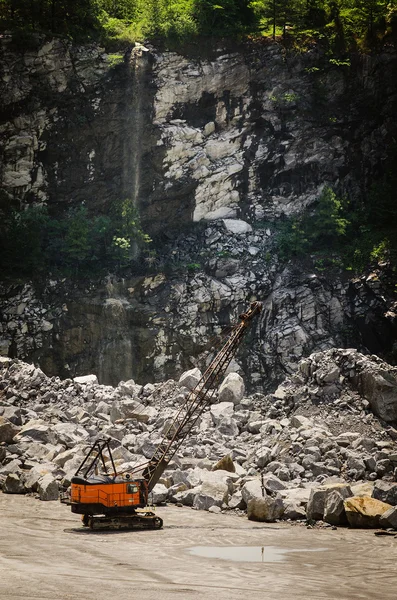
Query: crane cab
column 106, row 494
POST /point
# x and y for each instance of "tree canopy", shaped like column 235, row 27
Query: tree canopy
column 347, row 22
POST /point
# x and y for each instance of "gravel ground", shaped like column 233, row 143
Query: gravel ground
column 45, row 554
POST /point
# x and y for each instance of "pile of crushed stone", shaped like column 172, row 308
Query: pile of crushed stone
column 328, row 427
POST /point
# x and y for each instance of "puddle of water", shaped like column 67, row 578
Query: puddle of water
column 265, row 554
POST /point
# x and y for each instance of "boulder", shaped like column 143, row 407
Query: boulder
column 13, row 484
column 187, row 497
column 221, row 411
column 237, row 226
column 364, row 512
column 35, row 429
column 380, row 389
column 211, row 493
column 389, row 518
column 48, row 488
column 215, row 509
column 293, row 511
column 225, row 464
column 129, row 388
column 299, row 496
column 102, row 408
column 236, row 501
column 64, row 457
column 316, row 504
column 7, row 430
column 364, row 488
column 37, row 473
column 252, row 489
column 68, row 434
column 190, row 379
column 11, row 467
column 174, row 490
column 129, row 409
column 301, row 421
column 228, row 427
column 13, row 414
column 265, row 509
column 232, row 389
column 159, row 494
column 273, row 483
column 386, row 492
column 121, row 454
column 83, row 379
column 263, row 457
column 334, row 508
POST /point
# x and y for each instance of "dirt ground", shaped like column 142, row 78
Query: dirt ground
column 45, row 554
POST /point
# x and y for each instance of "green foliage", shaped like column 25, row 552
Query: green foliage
column 338, row 234
column 130, row 224
column 66, row 17
column 192, row 267
column 341, row 24
column 312, row 69
column 322, row 229
column 33, row 242
column 117, row 34
column 224, row 17
column 115, row 59
column 339, row 63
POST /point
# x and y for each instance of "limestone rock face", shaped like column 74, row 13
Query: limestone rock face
column 225, row 140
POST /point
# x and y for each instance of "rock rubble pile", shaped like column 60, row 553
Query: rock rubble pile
column 321, row 447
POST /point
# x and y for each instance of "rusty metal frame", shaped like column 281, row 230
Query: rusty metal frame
column 197, row 400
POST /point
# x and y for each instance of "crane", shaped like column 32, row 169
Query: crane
column 119, row 500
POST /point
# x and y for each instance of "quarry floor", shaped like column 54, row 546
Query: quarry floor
column 45, row 554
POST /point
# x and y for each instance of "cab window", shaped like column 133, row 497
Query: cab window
column 132, row 488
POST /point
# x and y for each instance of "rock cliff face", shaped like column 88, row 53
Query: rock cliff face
column 219, row 148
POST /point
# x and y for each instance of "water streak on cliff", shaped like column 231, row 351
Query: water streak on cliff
column 135, row 122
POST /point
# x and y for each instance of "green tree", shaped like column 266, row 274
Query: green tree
column 328, row 224
column 281, row 14
column 224, row 17
column 369, row 14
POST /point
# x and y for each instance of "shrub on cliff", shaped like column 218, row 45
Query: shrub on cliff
column 32, row 242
